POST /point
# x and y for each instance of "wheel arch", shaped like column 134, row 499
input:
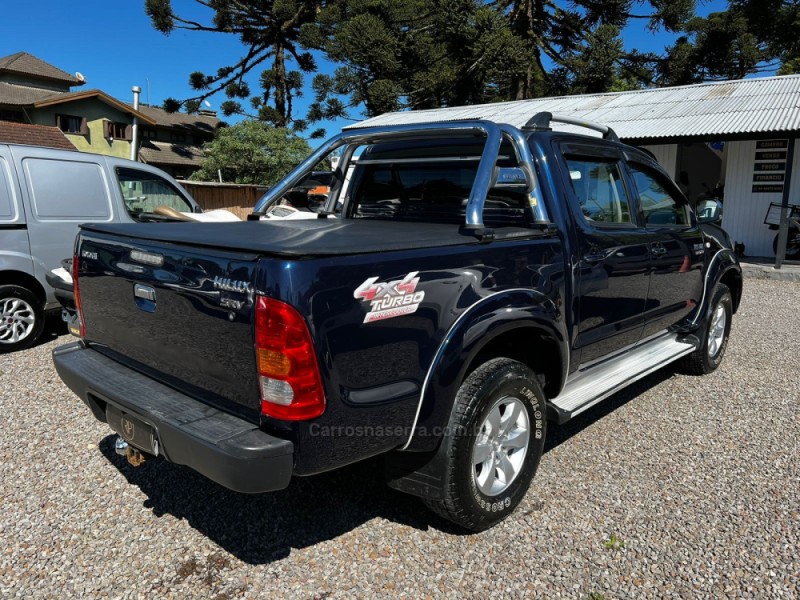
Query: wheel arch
column 494, row 327
column 26, row 280
column 732, row 277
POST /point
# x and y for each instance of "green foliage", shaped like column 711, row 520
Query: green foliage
column 252, row 152
column 269, row 31
column 751, row 36
column 613, row 543
column 399, row 54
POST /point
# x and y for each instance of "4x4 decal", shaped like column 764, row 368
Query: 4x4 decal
column 390, row 299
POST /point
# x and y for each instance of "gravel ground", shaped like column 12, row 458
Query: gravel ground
column 679, row 487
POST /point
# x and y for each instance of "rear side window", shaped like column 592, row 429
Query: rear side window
column 143, row 192
column 8, row 209
column 67, row 190
column 600, row 192
column 659, row 206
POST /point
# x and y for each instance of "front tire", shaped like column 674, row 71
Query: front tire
column 716, row 331
column 496, row 439
column 21, row 318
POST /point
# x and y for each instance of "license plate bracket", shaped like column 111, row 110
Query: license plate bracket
column 133, row 429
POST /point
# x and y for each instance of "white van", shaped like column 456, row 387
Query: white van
column 44, row 195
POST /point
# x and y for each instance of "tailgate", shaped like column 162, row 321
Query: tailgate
column 180, row 314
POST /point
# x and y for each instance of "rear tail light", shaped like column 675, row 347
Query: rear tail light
column 77, row 293
column 291, row 388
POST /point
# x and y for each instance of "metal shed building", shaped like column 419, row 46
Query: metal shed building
column 730, row 139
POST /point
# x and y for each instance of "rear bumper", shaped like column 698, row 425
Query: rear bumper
column 227, row 449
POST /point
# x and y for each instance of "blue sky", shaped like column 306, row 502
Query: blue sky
column 112, row 43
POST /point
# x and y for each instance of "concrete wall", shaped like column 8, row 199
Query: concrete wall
column 744, row 211
column 95, row 112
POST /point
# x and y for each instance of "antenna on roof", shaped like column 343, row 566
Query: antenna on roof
column 79, row 76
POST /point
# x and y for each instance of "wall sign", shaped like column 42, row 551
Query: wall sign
column 771, row 155
column 771, row 166
column 771, row 144
column 769, row 177
column 768, row 188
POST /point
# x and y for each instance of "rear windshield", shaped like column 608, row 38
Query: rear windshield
column 435, row 190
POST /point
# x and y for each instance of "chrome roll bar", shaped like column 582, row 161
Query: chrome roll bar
column 493, row 132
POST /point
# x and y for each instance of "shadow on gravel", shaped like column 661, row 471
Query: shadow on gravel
column 264, row 528
column 54, row 327
column 558, row 434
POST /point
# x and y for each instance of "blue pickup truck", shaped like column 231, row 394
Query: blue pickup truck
column 464, row 284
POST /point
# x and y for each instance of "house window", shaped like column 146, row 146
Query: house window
column 12, row 115
column 116, row 131
column 72, row 124
column 149, row 134
column 177, row 137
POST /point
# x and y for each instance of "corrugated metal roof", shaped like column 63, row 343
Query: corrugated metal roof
column 758, row 105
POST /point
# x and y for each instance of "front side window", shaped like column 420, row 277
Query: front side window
column 143, row 192
column 658, row 205
column 598, row 187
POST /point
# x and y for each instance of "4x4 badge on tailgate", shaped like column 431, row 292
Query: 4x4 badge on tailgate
column 390, row 299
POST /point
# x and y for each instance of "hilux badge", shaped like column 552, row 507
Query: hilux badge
column 390, row 299
column 231, row 285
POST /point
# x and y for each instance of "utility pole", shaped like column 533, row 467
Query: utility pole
column 783, row 231
column 135, row 141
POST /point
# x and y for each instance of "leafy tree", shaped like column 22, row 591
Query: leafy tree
column 582, row 36
column 269, row 31
column 751, row 36
column 252, row 152
column 397, row 54
column 414, row 53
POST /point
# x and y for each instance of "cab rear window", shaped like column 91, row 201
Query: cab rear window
column 431, row 184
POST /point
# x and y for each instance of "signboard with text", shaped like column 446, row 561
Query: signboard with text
column 769, row 172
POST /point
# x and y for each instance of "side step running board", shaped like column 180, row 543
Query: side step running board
column 586, row 388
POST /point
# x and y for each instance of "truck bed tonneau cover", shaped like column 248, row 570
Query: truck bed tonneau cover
column 322, row 237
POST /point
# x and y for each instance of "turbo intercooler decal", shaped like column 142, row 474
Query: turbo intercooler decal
column 390, row 299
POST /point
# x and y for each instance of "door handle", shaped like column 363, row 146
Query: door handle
column 593, row 258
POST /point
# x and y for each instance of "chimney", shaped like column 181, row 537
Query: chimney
column 204, row 112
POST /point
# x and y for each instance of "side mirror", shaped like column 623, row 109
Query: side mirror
column 709, row 211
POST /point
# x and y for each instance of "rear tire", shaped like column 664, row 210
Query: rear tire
column 21, row 318
column 715, row 333
column 496, row 439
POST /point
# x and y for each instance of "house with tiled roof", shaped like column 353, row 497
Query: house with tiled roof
column 174, row 141
column 34, row 135
column 35, row 92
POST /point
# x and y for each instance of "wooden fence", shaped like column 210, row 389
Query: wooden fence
column 237, row 198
